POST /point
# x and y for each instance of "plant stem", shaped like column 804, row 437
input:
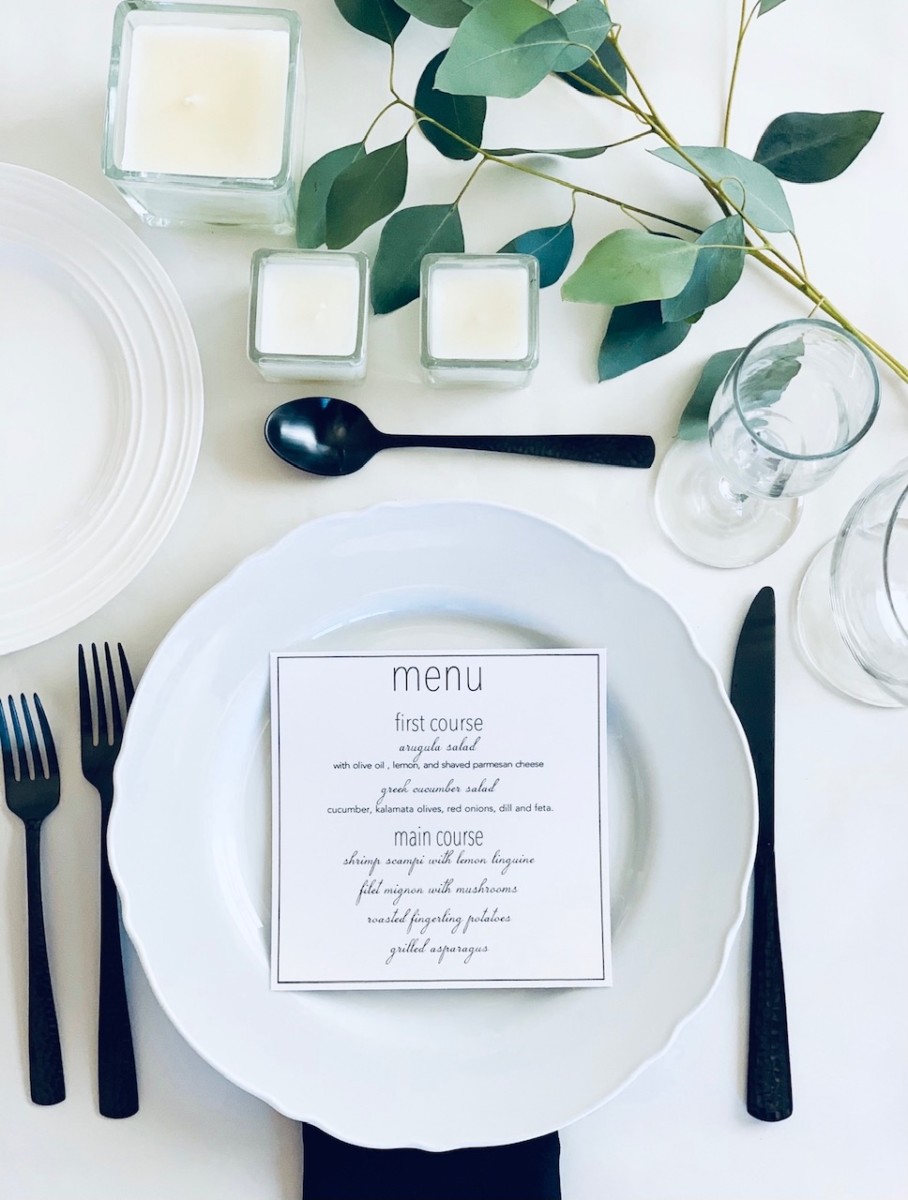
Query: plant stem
column 650, row 118
column 635, row 137
column 806, row 288
column 573, row 187
column 393, row 104
column 743, row 27
column 482, row 162
column 650, row 107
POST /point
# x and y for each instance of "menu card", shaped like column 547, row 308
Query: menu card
column 439, row 820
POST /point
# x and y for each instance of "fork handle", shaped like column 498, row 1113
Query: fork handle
column 118, row 1094
column 45, row 1061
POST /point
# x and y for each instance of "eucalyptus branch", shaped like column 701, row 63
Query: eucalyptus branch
column 628, row 93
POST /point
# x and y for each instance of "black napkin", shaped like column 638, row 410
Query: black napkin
column 335, row 1170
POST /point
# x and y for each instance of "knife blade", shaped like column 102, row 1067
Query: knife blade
column 753, row 695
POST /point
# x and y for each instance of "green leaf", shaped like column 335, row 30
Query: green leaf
column 592, row 81
column 464, row 115
column 365, row 192
column 572, row 152
column 753, row 188
column 381, row 19
column 488, row 57
column 636, row 335
column 715, row 272
column 694, row 421
column 578, row 29
column 776, row 371
column 770, row 378
column 552, row 245
column 813, row 147
column 632, row 265
column 444, row 13
column 314, row 189
column 768, row 5
column 406, row 238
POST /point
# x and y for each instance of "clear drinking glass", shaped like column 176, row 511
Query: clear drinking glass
column 852, row 610
column 792, row 405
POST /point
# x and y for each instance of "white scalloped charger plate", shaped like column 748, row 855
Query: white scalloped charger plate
column 100, row 406
column 190, row 841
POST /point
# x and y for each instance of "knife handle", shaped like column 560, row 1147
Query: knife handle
column 768, row 1064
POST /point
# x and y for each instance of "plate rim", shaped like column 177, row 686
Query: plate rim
column 178, row 350
column 733, row 925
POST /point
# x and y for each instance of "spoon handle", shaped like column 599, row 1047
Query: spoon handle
column 607, row 449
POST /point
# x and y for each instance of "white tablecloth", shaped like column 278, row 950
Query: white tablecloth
column 680, row 1131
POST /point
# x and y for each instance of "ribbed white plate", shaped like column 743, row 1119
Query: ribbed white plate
column 100, row 406
column 190, row 834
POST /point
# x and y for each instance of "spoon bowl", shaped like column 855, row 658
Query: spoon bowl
column 322, row 435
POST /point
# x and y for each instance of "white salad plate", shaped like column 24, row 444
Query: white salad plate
column 190, row 833
column 100, row 406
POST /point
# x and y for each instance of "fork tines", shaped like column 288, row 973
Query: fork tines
column 30, row 758
column 96, row 729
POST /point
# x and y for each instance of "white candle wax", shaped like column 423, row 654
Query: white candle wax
column 478, row 313
column 206, row 100
column 306, row 307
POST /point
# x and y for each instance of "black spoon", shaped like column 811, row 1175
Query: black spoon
column 332, row 437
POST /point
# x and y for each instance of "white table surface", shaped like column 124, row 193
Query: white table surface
column 680, row 1131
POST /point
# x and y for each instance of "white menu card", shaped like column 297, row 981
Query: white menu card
column 439, row 820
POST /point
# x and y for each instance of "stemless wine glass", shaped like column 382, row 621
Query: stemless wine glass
column 792, row 405
column 852, row 609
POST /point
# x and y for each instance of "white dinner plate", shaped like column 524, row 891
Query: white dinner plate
column 190, row 833
column 100, row 406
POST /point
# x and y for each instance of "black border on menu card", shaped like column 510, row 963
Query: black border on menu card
column 429, row 985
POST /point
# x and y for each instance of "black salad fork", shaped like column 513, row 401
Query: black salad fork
column 32, row 784
column 101, row 739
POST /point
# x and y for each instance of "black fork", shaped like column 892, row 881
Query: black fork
column 32, row 784
column 101, row 739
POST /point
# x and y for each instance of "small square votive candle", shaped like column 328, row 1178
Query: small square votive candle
column 307, row 314
column 202, row 107
column 479, row 318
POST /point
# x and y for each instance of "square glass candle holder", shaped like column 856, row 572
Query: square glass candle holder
column 479, row 318
column 202, row 112
column 307, row 314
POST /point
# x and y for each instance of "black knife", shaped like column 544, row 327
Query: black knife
column 753, row 694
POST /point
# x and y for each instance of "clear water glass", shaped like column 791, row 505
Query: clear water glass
column 791, row 406
column 852, row 610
